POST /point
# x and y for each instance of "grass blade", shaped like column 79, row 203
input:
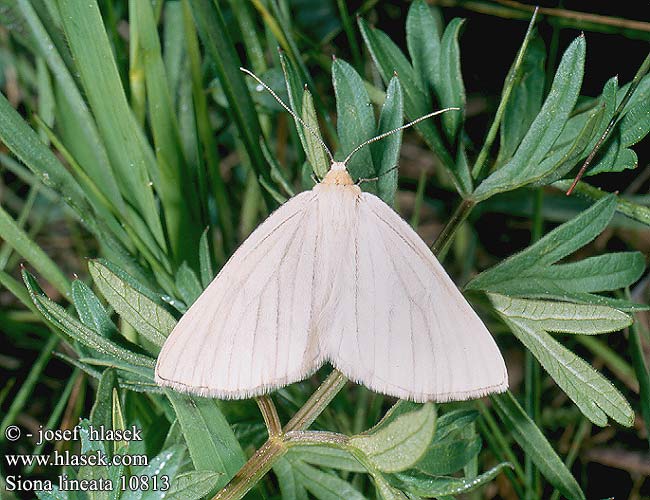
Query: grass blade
column 17, row 238
column 178, row 203
column 127, row 149
column 533, row 442
column 214, row 33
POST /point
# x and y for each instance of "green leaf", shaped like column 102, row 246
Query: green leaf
column 213, row 31
column 450, row 88
column 385, row 153
column 535, row 445
column 322, row 485
column 290, row 486
column 210, row 440
column 561, row 159
column 525, row 100
column 399, row 444
column 91, row 311
column 128, row 151
column 449, row 455
column 584, row 319
column 556, row 245
column 74, row 119
column 594, row 274
column 606, row 102
column 148, row 318
column 525, row 165
column 55, row 494
column 313, row 149
column 389, row 60
column 355, row 118
column 635, row 124
column 102, row 410
column 17, row 238
column 386, row 491
column 77, row 331
column 423, row 41
column 97, row 473
column 188, row 284
column 325, row 456
column 427, row 485
column 595, row 396
column 173, row 186
column 166, row 463
column 192, row 485
column 205, row 260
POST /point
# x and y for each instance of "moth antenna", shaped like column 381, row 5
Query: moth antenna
column 391, row 132
column 362, row 180
column 290, row 111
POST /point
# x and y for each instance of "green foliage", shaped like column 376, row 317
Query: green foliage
column 159, row 156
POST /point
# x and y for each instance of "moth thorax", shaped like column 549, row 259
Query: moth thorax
column 338, row 175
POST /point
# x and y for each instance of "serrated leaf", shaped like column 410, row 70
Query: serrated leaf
column 525, row 100
column 313, row 148
column 148, row 318
column 594, row 395
column 556, row 245
column 450, row 87
column 427, row 485
column 399, row 444
column 536, row 446
column 355, row 118
column 545, row 129
column 192, row 485
column 385, row 153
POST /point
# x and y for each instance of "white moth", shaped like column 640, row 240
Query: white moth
column 333, row 275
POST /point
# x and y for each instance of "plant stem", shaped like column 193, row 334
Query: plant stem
column 270, row 415
column 581, row 20
column 253, row 470
column 317, row 402
column 441, row 245
column 505, row 97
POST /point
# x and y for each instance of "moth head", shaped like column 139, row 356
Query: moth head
column 338, row 175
